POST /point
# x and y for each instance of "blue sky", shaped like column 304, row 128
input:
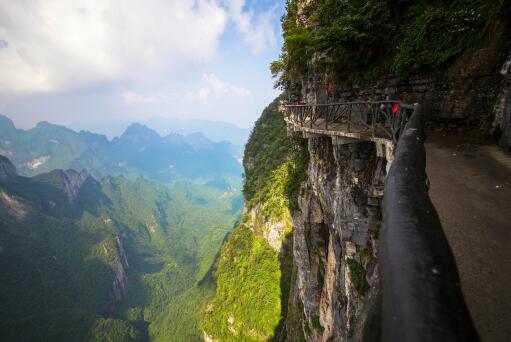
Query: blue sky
column 82, row 63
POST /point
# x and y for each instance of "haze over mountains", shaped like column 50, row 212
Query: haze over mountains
column 213, row 130
column 139, row 150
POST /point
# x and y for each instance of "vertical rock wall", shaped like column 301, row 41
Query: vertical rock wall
column 120, row 282
column 501, row 127
column 334, row 241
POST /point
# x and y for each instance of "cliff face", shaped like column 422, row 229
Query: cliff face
column 334, row 240
column 302, row 265
column 502, row 122
column 120, row 282
column 72, row 182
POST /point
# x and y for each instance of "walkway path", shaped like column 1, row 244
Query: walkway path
column 471, row 190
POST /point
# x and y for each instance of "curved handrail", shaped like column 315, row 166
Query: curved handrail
column 421, row 295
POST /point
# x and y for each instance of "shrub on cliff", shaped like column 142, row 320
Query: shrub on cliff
column 367, row 38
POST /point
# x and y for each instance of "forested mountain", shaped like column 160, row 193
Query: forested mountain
column 109, row 260
column 139, row 150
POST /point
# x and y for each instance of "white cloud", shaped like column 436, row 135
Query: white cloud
column 55, row 45
column 223, row 87
column 61, row 45
column 214, row 87
column 131, row 98
column 201, row 95
column 257, row 30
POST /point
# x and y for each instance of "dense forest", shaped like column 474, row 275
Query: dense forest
column 114, row 260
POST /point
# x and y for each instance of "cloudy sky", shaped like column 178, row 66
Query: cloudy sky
column 85, row 62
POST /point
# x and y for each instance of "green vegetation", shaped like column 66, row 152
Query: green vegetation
column 253, row 279
column 357, row 276
column 365, row 39
column 58, row 260
column 68, row 325
column 275, row 164
column 247, row 305
column 113, row 330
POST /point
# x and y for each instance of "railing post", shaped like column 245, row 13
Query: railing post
column 349, row 107
column 374, row 117
column 313, row 111
column 327, row 115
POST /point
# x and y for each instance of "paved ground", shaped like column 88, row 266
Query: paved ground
column 471, row 190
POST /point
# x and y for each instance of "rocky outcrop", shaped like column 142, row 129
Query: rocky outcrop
column 501, row 127
column 73, row 181
column 7, row 169
column 10, row 207
column 335, row 240
column 274, row 231
column 120, row 283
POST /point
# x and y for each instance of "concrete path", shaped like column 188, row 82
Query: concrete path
column 471, row 190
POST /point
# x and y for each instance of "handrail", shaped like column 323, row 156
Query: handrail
column 375, row 119
column 421, row 295
column 408, row 106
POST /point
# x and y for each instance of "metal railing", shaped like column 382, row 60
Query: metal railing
column 421, row 294
column 377, row 119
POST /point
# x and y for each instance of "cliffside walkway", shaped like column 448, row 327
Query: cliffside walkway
column 377, row 121
column 421, row 298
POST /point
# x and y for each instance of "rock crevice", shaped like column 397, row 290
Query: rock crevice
column 120, row 282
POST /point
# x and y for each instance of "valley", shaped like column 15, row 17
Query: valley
column 118, row 251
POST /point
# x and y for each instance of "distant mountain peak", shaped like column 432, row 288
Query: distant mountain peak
column 137, row 128
column 7, row 169
column 5, row 122
column 138, row 133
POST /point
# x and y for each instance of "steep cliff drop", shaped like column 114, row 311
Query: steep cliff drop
column 306, row 282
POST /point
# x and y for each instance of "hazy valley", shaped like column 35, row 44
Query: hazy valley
column 110, row 239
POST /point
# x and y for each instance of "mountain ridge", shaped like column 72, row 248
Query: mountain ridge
column 139, row 150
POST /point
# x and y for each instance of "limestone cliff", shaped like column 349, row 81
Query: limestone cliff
column 115, row 256
column 72, row 182
column 120, row 282
column 302, row 265
column 335, row 235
